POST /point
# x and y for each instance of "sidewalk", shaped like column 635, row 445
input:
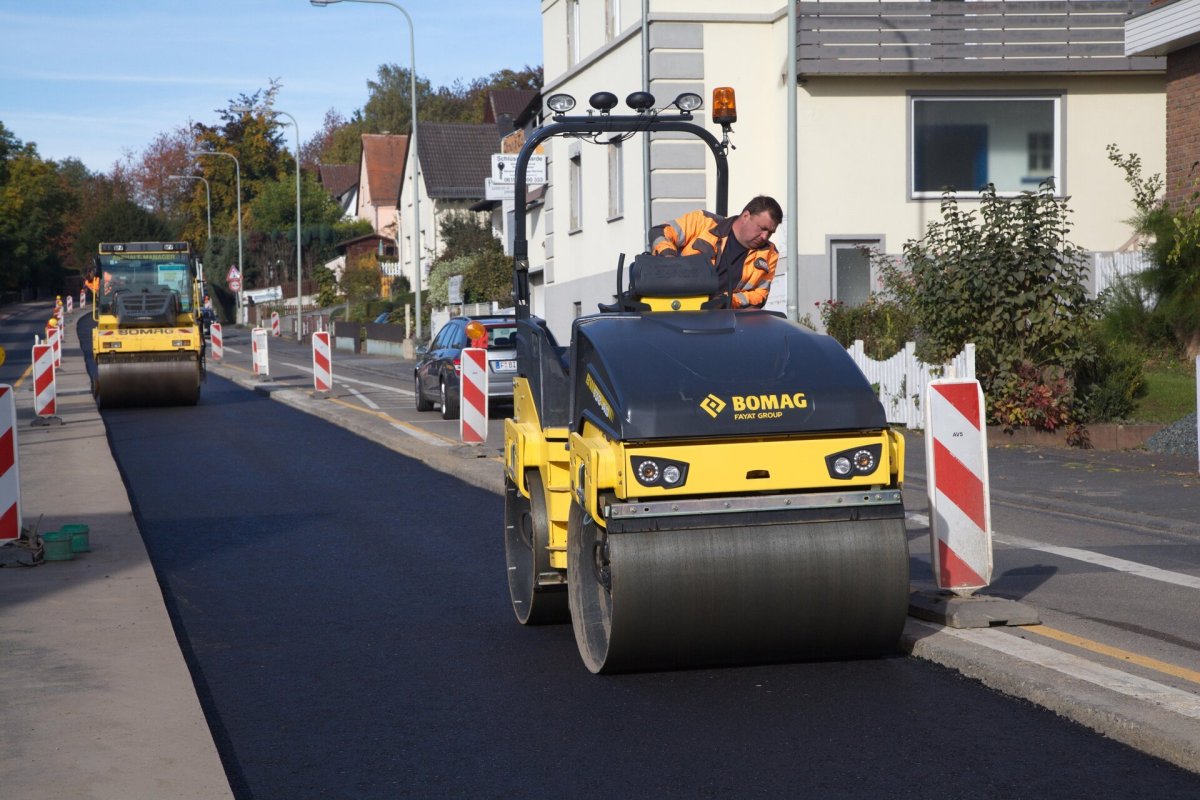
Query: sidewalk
column 96, row 700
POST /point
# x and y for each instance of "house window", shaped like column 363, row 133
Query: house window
column 575, row 187
column 616, row 180
column 612, row 19
column 965, row 143
column 852, row 269
column 572, row 32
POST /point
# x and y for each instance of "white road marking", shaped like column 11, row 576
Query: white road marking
column 1078, row 554
column 1160, row 695
column 229, row 349
column 341, row 379
column 368, row 402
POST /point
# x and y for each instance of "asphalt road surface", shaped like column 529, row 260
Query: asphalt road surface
column 345, row 614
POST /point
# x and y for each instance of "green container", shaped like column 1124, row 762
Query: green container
column 79, row 537
column 56, row 546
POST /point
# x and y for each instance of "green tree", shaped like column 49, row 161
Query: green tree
column 1174, row 278
column 477, row 255
column 34, row 205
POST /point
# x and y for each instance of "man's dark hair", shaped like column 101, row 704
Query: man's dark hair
column 764, row 203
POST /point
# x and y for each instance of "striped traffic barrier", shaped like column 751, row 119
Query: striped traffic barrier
column 217, row 340
column 473, row 400
column 960, row 517
column 83, row 298
column 322, row 362
column 275, row 323
column 10, row 468
column 54, row 339
column 258, row 353
column 70, row 303
column 45, row 405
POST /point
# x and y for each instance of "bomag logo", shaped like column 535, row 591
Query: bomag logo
column 755, row 406
column 713, row 405
column 600, row 399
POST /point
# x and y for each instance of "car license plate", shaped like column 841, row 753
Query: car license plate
column 509, row 365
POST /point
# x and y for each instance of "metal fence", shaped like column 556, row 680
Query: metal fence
column 901, row 381
column 1108, row 268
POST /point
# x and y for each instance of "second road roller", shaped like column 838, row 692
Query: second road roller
column 147, row 343
column 691, row 485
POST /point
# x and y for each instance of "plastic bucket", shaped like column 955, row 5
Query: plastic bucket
column 56, row 546
column 79, row 537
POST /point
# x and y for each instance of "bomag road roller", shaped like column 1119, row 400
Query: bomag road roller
column 147, row 341
column 692, row 485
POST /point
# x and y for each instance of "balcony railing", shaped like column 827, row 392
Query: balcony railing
column 947, row 37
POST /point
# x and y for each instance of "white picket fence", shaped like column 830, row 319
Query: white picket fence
column 1108, row 268
column 902, row 379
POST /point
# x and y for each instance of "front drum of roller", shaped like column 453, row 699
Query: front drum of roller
column 709, row 595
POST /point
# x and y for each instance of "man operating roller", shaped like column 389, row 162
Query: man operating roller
column 738, row 247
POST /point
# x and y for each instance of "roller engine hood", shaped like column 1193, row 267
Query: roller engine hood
column 672, row 375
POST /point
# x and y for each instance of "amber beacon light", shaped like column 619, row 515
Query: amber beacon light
column 724, row 106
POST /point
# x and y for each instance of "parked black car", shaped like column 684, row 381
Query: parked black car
column 436, row 376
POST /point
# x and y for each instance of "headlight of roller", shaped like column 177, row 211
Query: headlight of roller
column 853, row 463
column 662, row 472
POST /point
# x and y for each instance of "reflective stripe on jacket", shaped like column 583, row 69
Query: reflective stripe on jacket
column 702, row 232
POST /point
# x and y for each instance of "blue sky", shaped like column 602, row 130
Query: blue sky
column 94, row 78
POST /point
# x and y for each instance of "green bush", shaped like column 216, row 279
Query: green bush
column 883, row 325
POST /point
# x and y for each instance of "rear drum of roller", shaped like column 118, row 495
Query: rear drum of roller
column 704, row 596
column 148, row 380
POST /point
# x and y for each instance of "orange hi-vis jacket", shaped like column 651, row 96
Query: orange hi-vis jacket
column 702, row 232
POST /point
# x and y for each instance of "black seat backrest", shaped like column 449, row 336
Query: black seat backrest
column 672, row 276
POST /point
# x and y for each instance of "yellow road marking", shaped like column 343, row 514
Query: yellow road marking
column 1115, row 652
column 391, row 420
column 28, row 371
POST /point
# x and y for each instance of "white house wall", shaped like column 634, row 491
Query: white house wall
column 852, row 158
column 405, row 213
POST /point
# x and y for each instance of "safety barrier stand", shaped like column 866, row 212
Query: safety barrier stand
column 258, row 354
column 216, row 341
column 322, row 362
column 275, row 323
column 960, row 516
column 54, row 339
column 70, row 303
column 473, row 396
column 45, row 402
column 10, row 468
column 83, row 298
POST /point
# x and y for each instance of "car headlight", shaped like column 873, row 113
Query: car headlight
column 662, row 472
column 853, row 463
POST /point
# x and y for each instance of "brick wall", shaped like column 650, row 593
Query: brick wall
column 1183, row 125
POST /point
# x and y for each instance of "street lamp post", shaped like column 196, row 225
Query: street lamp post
column 207, row 197
column 416, row 194
column 238, row 172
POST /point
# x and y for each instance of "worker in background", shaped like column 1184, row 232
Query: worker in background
column 738, row 247
column 92, row 283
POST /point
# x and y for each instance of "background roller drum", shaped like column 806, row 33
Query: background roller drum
column 709, row 595
column 526, row 530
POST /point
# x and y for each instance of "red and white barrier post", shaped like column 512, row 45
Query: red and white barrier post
column 322, row 362
column 275, row 323
column 10, row 468
column 54, row 340
column 45, row 404
column 258, row 349
column 70, row 303
column 473, row 396
column 83, row 298
column 216, row 340
column 960, row 516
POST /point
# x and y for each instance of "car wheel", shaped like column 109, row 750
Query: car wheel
column 422, row 403
column 448, row 412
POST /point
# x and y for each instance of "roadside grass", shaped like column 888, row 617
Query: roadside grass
column 1171, row 392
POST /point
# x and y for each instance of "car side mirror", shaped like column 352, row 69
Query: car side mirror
column 421, row 349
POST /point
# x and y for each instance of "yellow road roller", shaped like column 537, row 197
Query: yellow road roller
column 691, row 485
column 147, row 342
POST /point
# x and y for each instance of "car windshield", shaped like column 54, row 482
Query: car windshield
column 502, row 336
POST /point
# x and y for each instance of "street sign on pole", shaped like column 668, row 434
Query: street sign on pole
column 504, row 169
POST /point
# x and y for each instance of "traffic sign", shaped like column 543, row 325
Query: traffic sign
column 504, row 169
column 235, row 284
column 234, row 274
